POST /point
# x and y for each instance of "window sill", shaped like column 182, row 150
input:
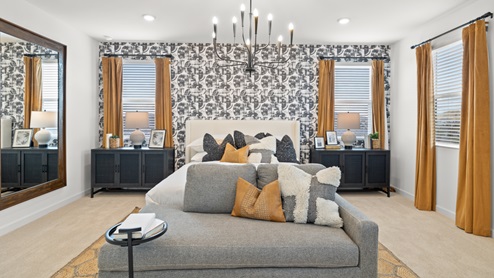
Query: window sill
column 448, row 146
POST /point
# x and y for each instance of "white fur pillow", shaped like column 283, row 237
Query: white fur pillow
column 327, row 213
column 301, row 190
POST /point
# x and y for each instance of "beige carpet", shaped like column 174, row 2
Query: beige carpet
column 86, row 263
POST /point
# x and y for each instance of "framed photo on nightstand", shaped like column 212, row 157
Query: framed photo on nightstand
column 22, row 138
column 157, row 138
column 319, row 142
column 331, row 138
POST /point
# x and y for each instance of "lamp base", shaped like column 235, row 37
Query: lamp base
column 43, row 136
column 349, row 138
column 348, row 147
column 137, row 137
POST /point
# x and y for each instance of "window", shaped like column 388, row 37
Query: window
column 352, row 89
column 49, row 89
column 138, row 91
column 447, row 64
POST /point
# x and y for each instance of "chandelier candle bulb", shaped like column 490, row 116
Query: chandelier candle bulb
column 234, row 21
column 270, row 21
column 242, row 10
column 290, row 27
column 215, row 22
column 256, row 20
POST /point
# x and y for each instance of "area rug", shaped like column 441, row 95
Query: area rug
column 86, row 264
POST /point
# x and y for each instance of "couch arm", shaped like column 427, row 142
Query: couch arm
column 364, row 232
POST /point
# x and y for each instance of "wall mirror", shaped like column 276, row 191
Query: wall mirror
column 32, row 133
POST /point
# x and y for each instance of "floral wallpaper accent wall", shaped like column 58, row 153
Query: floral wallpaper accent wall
column 12, row 79
column 202, row 90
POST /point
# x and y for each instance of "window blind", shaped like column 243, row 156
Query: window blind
column 447, row 64
column 353, row 94
column 138, row 92
column 49, row 89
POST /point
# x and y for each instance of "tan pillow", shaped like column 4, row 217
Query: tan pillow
column 250, row 202
column 235, row 156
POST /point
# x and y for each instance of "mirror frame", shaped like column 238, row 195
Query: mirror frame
column 61, row 181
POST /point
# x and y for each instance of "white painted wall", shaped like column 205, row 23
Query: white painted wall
column 81, row 110
column 404, row 108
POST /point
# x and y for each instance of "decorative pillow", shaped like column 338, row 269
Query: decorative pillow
column 262, row 135
column 210, row 188
column 251, row 202
column 300, row 191
column 267, row 173
column 198, row 157
column 263, row 152
column 242, row 140
column 285, row 151
column 215, row 151
column 235, row 156
column 327, row 213
column 197, row 145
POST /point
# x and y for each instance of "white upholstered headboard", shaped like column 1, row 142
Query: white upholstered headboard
column 195, row 129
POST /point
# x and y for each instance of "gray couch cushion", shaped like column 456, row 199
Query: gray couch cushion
column 267, row 173
column 213, row 241
column 211, row 187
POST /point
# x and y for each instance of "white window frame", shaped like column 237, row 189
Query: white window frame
column 49, row 89
column 130, row 100
column 341, row 103
column 449, row 91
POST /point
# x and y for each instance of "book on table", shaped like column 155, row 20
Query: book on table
column 148, row 223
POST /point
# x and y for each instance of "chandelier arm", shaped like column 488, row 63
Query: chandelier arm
column 273, row 62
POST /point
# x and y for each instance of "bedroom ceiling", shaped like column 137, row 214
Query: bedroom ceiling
column 378, row 21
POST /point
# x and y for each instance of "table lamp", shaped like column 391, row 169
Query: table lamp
column 137, row 120
column 43, row 119
column 348, row 121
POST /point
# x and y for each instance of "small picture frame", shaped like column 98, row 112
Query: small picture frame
column 331, row 138
column 319, row 142
column 22, row 138
column 157, row 138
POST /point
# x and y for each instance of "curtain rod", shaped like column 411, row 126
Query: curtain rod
column 488, row 14
column 351, row 57
column 139, row 55
column 44, row 54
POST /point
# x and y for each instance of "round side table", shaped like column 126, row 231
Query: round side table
column 131, row 242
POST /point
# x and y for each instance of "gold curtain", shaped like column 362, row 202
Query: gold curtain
column 325, row 117
column 164, row 99
column 473, row 203
column 112, row 97
column 425, row 164
column 32, row 90
column 378, row 108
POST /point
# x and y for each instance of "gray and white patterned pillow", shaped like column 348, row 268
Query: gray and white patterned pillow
column 301, row 190
column 263, row 152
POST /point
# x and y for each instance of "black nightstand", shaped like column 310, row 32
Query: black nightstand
column 130, row 168
column 360, row 168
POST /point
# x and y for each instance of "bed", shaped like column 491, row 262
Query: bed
column 170, row 190
column 211, row 244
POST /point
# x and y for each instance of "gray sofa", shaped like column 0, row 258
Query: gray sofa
column 219, row 245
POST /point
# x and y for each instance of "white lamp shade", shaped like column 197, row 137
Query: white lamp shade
column 42, row 119
column 137, row 120
column 348, row 120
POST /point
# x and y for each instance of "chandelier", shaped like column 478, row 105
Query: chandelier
column 252, row 49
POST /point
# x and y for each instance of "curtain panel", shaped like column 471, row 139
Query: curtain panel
column 33, row 99
column 473, row 204
column 425, row 164
column 378, row 108
column 325, row 115
column 112, row 97
column 163, row 104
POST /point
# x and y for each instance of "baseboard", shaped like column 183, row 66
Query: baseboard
column 5, row 229
column 406, row 194
column 446, row 212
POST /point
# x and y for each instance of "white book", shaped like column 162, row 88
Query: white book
column 137, row 220
column 154, row 228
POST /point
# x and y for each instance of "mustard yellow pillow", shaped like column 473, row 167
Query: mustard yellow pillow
column 236, row 156
column 265, row 204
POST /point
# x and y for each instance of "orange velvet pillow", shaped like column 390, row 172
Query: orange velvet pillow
column 236, row 156
column 265, row 204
